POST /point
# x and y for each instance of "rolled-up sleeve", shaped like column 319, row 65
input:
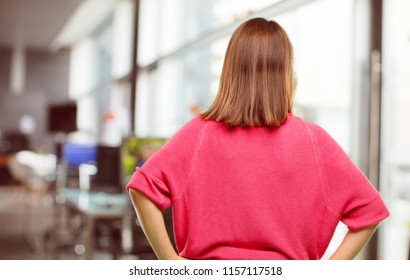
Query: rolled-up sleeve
column 350, row 195
column 154, row 188
column 164, row 176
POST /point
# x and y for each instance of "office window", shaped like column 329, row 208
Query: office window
column 157, row 99
column 82, row 61
column 226, row 12
column 321, row 33
column 395, row 144
column 322, row 38
column 91, row 60
column 175, row 89
column 122, row 38
column 99, row 64
column 166, row 26
column 170, row 26
column 168, row 90
column 145, row 89
column 148, row 31
column 169, row 95
column 103, row 49
column 218, row 49
column 87, row 113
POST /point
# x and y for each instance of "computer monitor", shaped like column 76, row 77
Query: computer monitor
column 136, row 150
column 62, row 118
column 109, row 176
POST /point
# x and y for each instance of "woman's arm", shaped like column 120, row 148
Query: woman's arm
column 153, row 225
column 353, row 243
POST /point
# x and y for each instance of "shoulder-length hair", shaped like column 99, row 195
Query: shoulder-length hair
column 256, row 81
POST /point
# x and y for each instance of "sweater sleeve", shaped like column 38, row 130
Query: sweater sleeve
column 350, row 195
column 164, row 175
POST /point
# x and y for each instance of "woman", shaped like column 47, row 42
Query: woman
column 247, row 179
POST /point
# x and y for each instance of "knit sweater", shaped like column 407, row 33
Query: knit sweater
column 257, row 192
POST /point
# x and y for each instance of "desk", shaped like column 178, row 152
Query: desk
column 97, row 205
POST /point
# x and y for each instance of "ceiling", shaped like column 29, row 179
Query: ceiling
column 33, row 24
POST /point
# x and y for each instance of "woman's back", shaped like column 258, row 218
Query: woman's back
column 255, row 193
column 252, row 193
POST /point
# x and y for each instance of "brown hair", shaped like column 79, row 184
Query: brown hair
column 256, row 81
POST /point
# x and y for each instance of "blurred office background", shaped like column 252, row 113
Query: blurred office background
column 143, row 68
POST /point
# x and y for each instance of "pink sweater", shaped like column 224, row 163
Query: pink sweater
column 257, row 193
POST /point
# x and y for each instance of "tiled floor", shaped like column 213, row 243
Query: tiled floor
column 14, row 244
